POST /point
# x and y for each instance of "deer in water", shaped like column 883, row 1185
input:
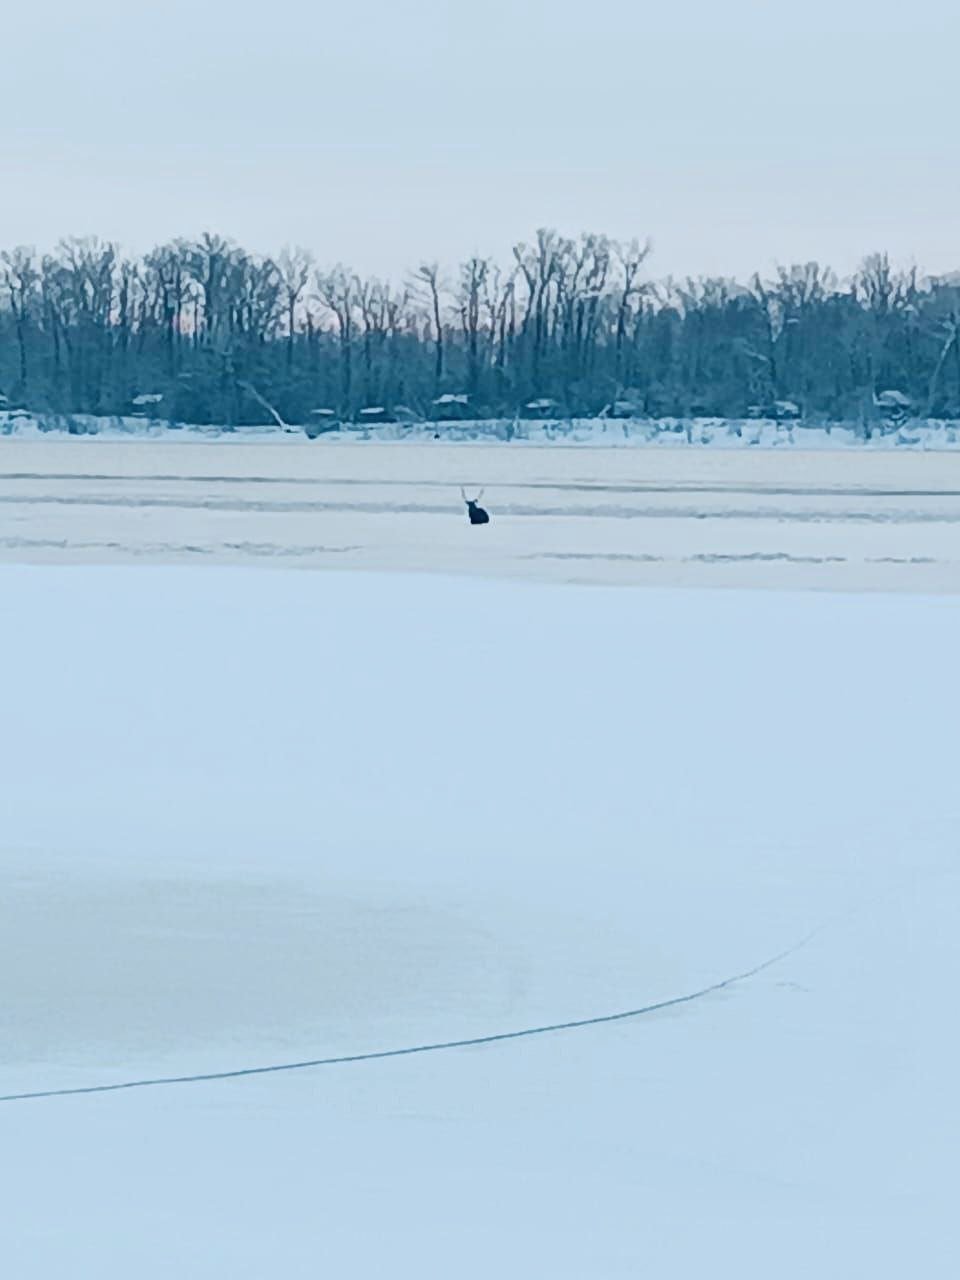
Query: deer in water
column 475, row 513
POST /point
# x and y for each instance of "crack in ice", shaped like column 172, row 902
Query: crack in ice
column 436, row 1047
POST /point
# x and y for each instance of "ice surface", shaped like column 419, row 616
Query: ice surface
column 247, row 818
column 764, row 518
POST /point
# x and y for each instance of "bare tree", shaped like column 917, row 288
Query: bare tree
column 295, row 267
column 336, row 292
column 427, row 276
column 630, row 258
column 473, row 275
column 946, row 302
column 20, row 277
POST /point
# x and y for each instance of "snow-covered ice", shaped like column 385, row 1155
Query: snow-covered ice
column 248, row 818
column 840, row 521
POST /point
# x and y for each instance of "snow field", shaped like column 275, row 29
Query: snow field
column 249, row 818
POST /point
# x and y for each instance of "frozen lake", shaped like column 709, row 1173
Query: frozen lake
column 252, row 818
column 842, row 520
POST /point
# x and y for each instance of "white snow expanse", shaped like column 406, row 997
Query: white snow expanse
column 749, row 518
column 253, row 818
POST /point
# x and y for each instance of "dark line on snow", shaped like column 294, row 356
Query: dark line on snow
column 470, row 1042
column 576, row 486
column 520, row 509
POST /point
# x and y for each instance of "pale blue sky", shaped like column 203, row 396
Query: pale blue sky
column 734, row 133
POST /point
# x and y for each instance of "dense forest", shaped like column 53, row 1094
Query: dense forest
column 202, row 331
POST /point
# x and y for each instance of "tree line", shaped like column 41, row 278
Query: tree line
column 202, row 331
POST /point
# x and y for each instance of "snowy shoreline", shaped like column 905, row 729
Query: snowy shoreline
column 929, row 435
